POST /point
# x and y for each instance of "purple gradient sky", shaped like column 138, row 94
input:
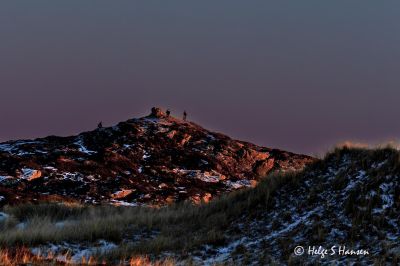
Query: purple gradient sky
column 298, row 75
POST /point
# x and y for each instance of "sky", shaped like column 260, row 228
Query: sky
column 296, row 75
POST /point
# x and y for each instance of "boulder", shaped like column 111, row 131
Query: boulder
column 262, row 168
column 207, row 197
column 157, row 112
column 122, row 193
column 30, row 174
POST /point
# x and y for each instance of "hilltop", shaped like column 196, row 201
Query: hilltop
column 156, row 160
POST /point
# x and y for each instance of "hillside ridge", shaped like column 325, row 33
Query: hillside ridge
column 157, row 159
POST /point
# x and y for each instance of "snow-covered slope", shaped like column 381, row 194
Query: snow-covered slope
column 348, row 202
column 158, row 159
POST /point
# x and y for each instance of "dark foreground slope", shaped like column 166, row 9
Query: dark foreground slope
column 350, row 199
column 154, row 159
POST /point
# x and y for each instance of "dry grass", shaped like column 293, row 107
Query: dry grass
column 22, row 256
column 180, row 227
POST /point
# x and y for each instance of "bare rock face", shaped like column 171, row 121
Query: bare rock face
column 262, row 168
column 155, row 160
column 122, row 194
column 30, row 174
column 157, row 112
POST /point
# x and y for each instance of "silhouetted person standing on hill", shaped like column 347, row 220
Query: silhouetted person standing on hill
column 184, row 115
column 168, row 112
column 100, row 125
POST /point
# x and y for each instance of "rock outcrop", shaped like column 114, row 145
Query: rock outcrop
column 157, row 113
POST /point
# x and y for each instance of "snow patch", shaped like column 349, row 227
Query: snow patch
column 50, row 168
column 82, row 148
column 128, row 146
column 299, row 220
column 223, row 253
column 76, row 177
column 21, row 226
column 238, row 184
column 3, row 216
column 123, row 203
column 208, row 177
column 7, row 148
column 14, row 148
column 387, row 198
column 78, row 251
column 355, row 181
column 3, row 178
column 146, row 155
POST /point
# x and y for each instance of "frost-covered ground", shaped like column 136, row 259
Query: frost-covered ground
column 350, row 201
column 73, row 253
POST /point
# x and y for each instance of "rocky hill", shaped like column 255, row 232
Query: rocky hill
column 156, row 159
